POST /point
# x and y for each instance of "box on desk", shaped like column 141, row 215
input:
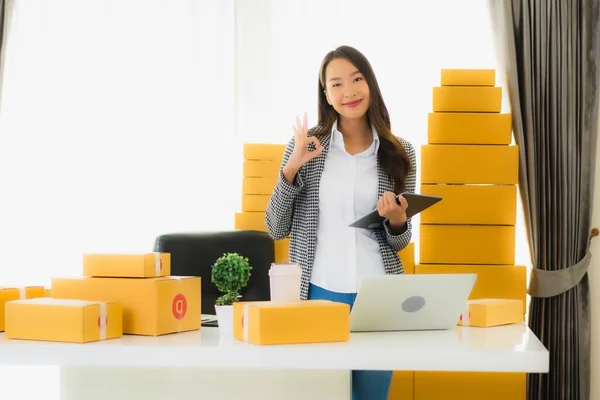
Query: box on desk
column 17, row 293
column 151, row 306
column 61, row 320
column 308, row 321
column 127, row 265
column 492, row 312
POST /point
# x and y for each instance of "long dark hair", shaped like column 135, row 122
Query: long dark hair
column 392, row 155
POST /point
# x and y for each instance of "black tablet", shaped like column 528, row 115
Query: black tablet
column 416, row 204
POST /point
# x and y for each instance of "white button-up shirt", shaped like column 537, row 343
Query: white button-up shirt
column 347, row 191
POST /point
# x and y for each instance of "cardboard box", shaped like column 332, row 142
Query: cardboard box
column 402, row 385
column 264, row 151
column 469, row 128
column 467, row 244
column 261, row 169
column 474, row 164
column 308, row 321
column 127, row 265
column 471, row 204
column 493, row 281
column 61, row 320
column 151, row 306
column 255, row 202
column 407, row 256
column 430, row 385
column 485, row 313
column 282, row 250
column 467, row 99
column 251, row 221
column 468, row 77
column 18, row 293
column 258, row 185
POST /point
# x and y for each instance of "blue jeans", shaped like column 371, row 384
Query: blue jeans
column 366, row 385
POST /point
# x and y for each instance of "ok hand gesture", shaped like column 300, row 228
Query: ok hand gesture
column 301, row 155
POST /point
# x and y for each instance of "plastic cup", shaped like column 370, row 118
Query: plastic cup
column 285, row 281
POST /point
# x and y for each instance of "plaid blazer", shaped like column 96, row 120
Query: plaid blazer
column 293, row 210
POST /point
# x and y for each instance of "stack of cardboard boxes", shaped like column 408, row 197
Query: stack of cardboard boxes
column 117, row 294
column 9, row 294
column 470, row 162
column 261, row 170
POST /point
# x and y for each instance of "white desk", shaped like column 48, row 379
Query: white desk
column 185, row 365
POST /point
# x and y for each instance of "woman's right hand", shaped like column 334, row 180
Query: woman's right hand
column 301, row 155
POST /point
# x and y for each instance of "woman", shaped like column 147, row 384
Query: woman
column 335, row 173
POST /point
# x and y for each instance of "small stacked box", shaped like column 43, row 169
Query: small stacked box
column 117, row 294
column 9, row 294
column 291, row 322
column 154, row 302
column 262, row 162
column 29, row 313
column 469, row 161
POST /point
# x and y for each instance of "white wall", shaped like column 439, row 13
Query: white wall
column 116, row 126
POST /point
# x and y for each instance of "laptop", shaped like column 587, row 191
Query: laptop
column 410, row 302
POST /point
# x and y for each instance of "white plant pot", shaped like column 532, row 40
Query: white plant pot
column 225, row 320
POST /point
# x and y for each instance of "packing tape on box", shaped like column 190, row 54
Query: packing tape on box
column 465, row 316
column 157, row 264
column 179, row 320
column 245, row 321
column 22, row 293
column 103, row 321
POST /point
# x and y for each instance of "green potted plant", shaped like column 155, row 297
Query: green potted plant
column 230, row 273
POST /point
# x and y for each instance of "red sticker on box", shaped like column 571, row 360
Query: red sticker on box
column 102, row 322
column 179, row 306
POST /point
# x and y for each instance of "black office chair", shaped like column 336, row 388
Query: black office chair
column 193, row 254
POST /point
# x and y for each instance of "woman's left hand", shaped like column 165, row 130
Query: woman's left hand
column 388, row 208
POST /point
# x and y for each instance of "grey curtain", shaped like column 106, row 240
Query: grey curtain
column 3, row 27
column 2, row 18
column 549, row 53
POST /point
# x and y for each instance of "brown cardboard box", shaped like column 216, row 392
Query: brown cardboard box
column 485, row 313
column 261, row 169
column 467, row 244
column 468, row 77
column 17, row 293
column 402, row 385
column 264, row 151
column 469, row 128
column 258, row 185
column 282, row 250
column 470, row 386
column 475, row 164
column 255, row 202
column 148, row 265
column 61, row 320
column 252, row 221
column 471, row 204
column 151, row 306
column 467, row 99
column 407, row 256
column 308, row 321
